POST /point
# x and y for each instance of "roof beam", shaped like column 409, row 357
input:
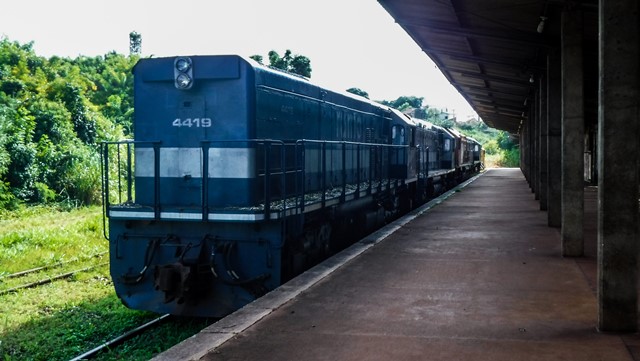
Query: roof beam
column 521, row 82
column 487, row 94
column 485, row 90
column 484, row 98
column 511, row 63
column 586, row 5
column 512, row 36
column 497, row 118
column 497, row 108
column 498, row 105
column 505, row 106
column 510, row 125
column 510, row 116
column 493, row 100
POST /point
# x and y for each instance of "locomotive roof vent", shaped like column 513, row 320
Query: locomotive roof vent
column 183, row 73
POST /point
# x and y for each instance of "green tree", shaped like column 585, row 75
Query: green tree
column 300, row 65
column 358, row 91
column 404, row 102
column 491, row 147
column 278, row 62
column 257, row 58
column 113, row 86
column 135, row 43
column 297, row 64
column 504, row 141
column 85, row 127
column 52, row 113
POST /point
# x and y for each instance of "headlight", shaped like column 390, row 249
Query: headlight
column 183, row 81
column 183, row 64
column 183, row 73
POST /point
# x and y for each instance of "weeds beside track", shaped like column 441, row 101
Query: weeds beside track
column 65, row 318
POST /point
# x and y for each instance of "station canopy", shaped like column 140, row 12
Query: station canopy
column 494, row 52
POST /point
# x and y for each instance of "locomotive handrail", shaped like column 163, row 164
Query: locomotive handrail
column 288, row 193
column 104, row 172
column 351, row 143
column 324, row 143
column 267, row 172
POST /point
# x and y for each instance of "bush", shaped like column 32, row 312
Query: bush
column 491, row 147
column 44, row 194
column 511, row 157
column 83, row 178
column 7, row 199
column 22, row 170
column 503, row 158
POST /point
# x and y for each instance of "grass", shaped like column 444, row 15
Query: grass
column 147, row 345
column 68, row 317
column 39, row 236
column 61, row 320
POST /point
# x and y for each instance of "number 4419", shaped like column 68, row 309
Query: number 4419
column 192, row 122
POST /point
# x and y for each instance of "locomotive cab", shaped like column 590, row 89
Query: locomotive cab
column 449, row 142
column 404, row 161
column 477, row 157
column 181, row 105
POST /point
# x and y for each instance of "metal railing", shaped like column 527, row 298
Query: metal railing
column 289, row 175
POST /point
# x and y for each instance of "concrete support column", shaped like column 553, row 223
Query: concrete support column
column 533, row 120
column 521, row 145
column 530, row 145
column 618, row 179
column 572, row 134
column 554, row 133
column 543, row 154
column 527, row 123
column 536, row 145
column 524, row 149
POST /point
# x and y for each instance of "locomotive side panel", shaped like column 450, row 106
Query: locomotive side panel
column 313, row 123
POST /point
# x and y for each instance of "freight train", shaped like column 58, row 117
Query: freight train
column 240, row 177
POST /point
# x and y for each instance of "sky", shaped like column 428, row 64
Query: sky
column 351, row 43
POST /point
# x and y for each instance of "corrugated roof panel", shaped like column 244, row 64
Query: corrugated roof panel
column 487, row 49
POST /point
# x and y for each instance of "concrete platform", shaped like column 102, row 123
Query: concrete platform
column 477, row 277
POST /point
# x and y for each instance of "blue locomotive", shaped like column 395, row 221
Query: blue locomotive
column 241, row 177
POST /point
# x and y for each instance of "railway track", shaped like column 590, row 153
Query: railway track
column 122, row 338
column 44, row 268
column 47, row 279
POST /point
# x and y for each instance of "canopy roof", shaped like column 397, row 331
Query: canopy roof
column 494, row 52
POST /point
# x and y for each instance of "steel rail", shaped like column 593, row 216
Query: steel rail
column 43, row 268
column 121, row 339
column 50, row 279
